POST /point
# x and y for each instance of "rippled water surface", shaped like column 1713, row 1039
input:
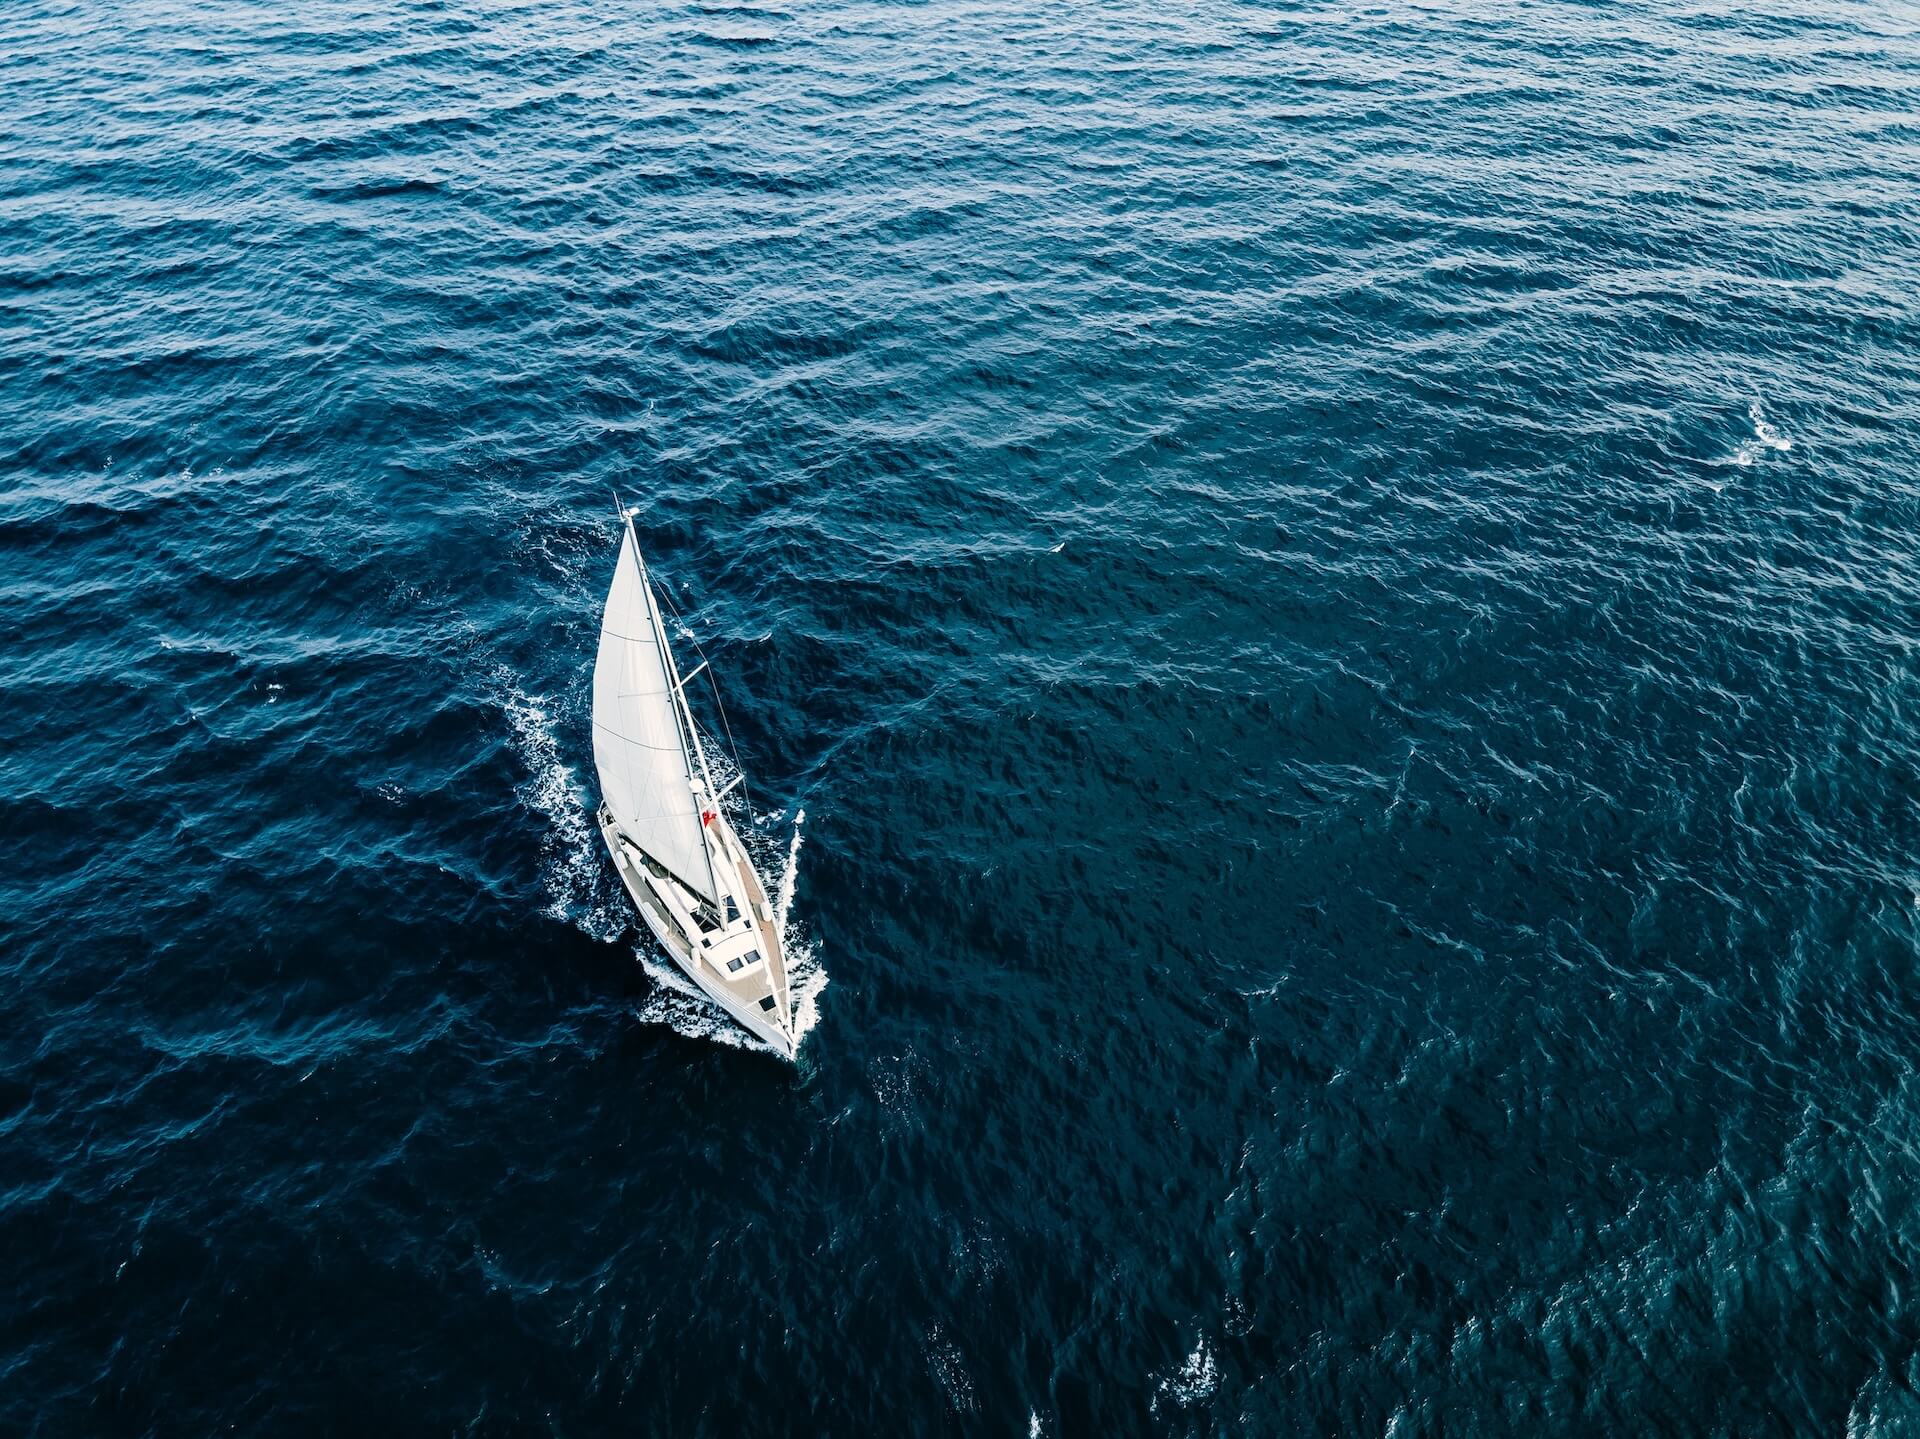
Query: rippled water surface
column 1337, row 588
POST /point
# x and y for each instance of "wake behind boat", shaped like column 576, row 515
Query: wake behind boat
column 661, row 817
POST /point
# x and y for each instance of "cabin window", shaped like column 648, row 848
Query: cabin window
column 733, row 911
column 735, row 965
column 767, row 1003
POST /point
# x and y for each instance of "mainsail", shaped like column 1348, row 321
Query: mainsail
column 639, row 745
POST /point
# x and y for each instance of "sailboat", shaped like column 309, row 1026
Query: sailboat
column 660, row 814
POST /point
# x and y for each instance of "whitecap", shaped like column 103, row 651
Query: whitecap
column 1195, row 1380
column 1766, row 437
column 943, row 1356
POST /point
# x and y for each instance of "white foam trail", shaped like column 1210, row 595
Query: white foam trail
column 677, row 1002
column 783, row 891
column 806, row 975
column 571, row 867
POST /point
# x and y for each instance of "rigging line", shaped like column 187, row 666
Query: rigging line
column 690, row 740
column 733, row 750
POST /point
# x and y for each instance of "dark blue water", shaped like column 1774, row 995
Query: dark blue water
column 1337, row 587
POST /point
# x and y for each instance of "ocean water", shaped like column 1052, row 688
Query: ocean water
column 1337, row 587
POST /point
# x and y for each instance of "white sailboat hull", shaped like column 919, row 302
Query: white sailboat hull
column 740, row 1000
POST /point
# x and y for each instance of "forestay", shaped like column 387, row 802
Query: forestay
column 638, row 745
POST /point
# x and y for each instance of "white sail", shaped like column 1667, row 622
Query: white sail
column 639, row 747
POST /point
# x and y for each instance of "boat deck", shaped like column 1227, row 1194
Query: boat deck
column 760, row 997
column 762, row 912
